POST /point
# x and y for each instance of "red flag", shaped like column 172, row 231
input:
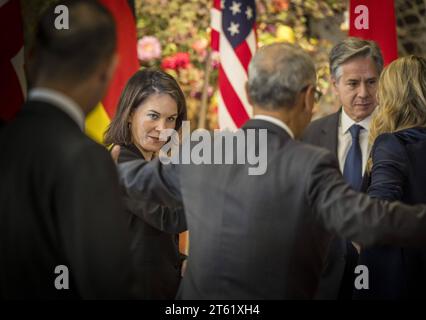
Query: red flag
column 128, row 61
column 12, row 76
column 375, row 20
column 234, row 35
column 99, row 119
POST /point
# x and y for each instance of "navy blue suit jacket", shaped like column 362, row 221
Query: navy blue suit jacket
column 398, row 173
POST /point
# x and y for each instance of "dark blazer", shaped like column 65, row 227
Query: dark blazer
column 338, row 276
column 398, row 173
column 266, row 236
column 323, row 133
column 59, row 205
column 155, row 242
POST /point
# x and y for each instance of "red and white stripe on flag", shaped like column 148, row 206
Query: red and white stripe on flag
column 234, row 36
column 375, row 20
column 12, row 76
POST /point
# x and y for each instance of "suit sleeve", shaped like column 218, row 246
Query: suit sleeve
column 92, row 220
column 357, row 217
column 152, row 183
column 169, row 220
column 389, row 172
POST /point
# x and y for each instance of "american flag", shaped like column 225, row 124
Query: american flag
column 234, row 36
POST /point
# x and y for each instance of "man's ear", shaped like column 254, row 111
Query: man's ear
column 112, row 66
column 334, row 85
column 107, row 69
column 309, row 99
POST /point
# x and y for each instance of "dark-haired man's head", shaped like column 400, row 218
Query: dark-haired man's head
column 355, row 67
column 78, row 61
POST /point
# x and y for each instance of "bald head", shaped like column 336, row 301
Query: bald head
column 73, row 54
column 277, row 73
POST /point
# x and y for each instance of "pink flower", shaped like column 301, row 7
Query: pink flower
column 210, row 91
column 149, row 48
column 200, row 48
column 215, row 60
column 200, row 45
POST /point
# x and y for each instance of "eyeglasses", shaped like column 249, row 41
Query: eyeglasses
column 317, row 92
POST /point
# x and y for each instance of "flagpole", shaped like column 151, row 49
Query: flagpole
column 205, row 92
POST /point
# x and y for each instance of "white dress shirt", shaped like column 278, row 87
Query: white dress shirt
column 345, row 139
column 61, row 101
column 276, row 122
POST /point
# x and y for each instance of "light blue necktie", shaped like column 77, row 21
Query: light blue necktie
column 352, row 171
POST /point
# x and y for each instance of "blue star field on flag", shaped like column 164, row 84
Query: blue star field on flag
column 238, row 18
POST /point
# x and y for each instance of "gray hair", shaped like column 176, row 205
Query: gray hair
column 277, row 73
column 351, row 48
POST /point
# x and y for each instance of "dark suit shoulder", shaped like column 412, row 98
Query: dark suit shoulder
column 388, row 145
column 309, row 155
column 85, row 151
column 411, row 136
column 73, row 149
column 43, row 125
column 316, row 126
column 318, row 153
column 387, row 138
column 45, row 138
column 129, row 153
column 45, row 113
column 317, row 161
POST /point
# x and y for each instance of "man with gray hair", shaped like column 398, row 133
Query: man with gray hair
column 355, row 67
column 266, row 236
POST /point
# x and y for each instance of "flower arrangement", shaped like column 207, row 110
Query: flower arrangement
column 176, row 37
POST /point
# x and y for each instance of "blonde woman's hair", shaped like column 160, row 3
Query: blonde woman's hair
column 402, row 97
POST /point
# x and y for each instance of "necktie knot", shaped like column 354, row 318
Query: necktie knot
column 354, row 130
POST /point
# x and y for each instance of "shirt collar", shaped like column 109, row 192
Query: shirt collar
column 276, row 122
column 61, row 101
column 347, row 122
